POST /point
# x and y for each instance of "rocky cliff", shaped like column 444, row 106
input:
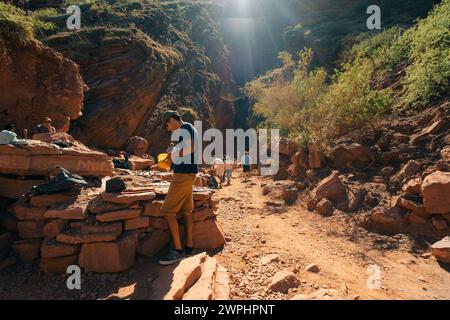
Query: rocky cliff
column 141, row 58
column 37, row 81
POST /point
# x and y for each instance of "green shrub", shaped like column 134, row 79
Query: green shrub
column 427, row 76
column 17, row 26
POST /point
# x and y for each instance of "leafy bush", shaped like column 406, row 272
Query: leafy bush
column 397, row 67
column 305, row 107
column 17, row 26
column 427, row 76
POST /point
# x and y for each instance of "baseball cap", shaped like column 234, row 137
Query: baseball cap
column 167, row 115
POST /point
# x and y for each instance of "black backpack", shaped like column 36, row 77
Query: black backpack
column 212, row 182
column 64, row 181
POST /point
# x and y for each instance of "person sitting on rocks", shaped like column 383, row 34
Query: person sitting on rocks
column 9, row 136
column 46, row 126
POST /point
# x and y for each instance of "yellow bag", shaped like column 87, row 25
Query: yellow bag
column 163, row 161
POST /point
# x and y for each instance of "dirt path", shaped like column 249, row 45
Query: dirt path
column 347, row 256
column 288, row 238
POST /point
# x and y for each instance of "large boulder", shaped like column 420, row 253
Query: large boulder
column 113, row 256
column 13, row 188
column 331, row 188
column 441, row 250
column 203, row 289
column 351, row 155
column 37, row 82
column 137, row 146
column 39, row 158
column 390, row 220
column 436, row 192
column 207, row 235
column 184, row 276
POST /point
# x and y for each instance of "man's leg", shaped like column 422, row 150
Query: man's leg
column 172, row 206
column 186, row 211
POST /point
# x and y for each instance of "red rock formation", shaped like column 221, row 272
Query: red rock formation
column 36, row 81
column 126, row 75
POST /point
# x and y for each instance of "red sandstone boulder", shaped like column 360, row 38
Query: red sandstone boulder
column 201, row 214
column 152, row 243
column 203, row 289
column 54, row 227
column 325, row 208
column 208, row 235
column 23, row 211
column 351, row 155
column 413, row 187
column 159, row 223
column 15, row 188
column 39, row 158
column 137, row 146
column 416, row 208
column 284, row 280
column 67, row 212
column 47, row 200
column 128, row 197
column 331, row 188
column 221, row 284
column 118, row 215
column 98, row 205
column 153, row 209
column 115, row 256
column 436, row 192
column 31, row 229
column 57, row 265
column 53, row 249
column 387, row 219
column 136, row 223
column 28, row 250
column 441, row 250
column 185, row 276
column 434, row 128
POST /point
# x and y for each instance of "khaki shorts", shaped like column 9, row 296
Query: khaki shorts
column 180, row 198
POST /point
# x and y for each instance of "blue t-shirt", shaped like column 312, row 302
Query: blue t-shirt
column 192, row 165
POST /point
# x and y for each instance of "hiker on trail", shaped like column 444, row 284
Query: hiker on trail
column 228, row 169
column 179, row 200
column 9, row 136
column 46, row 126
column 245, row 160
column 219, row 169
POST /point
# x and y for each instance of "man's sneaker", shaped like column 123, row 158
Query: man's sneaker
column 171, row 258
column 188, row 252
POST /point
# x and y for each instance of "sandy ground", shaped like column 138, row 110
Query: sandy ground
column 349, row 258
column 262, row 240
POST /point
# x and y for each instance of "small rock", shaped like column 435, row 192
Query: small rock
column 312, row 268
column 282, row 281
column 325, row 208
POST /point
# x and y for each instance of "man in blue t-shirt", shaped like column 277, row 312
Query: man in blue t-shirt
column 179, row 200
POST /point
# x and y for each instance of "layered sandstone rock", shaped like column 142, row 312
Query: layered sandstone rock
column 196, row 278
column 103, row 231
column 39, row 158
column 37, row 82
column 126, row 76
